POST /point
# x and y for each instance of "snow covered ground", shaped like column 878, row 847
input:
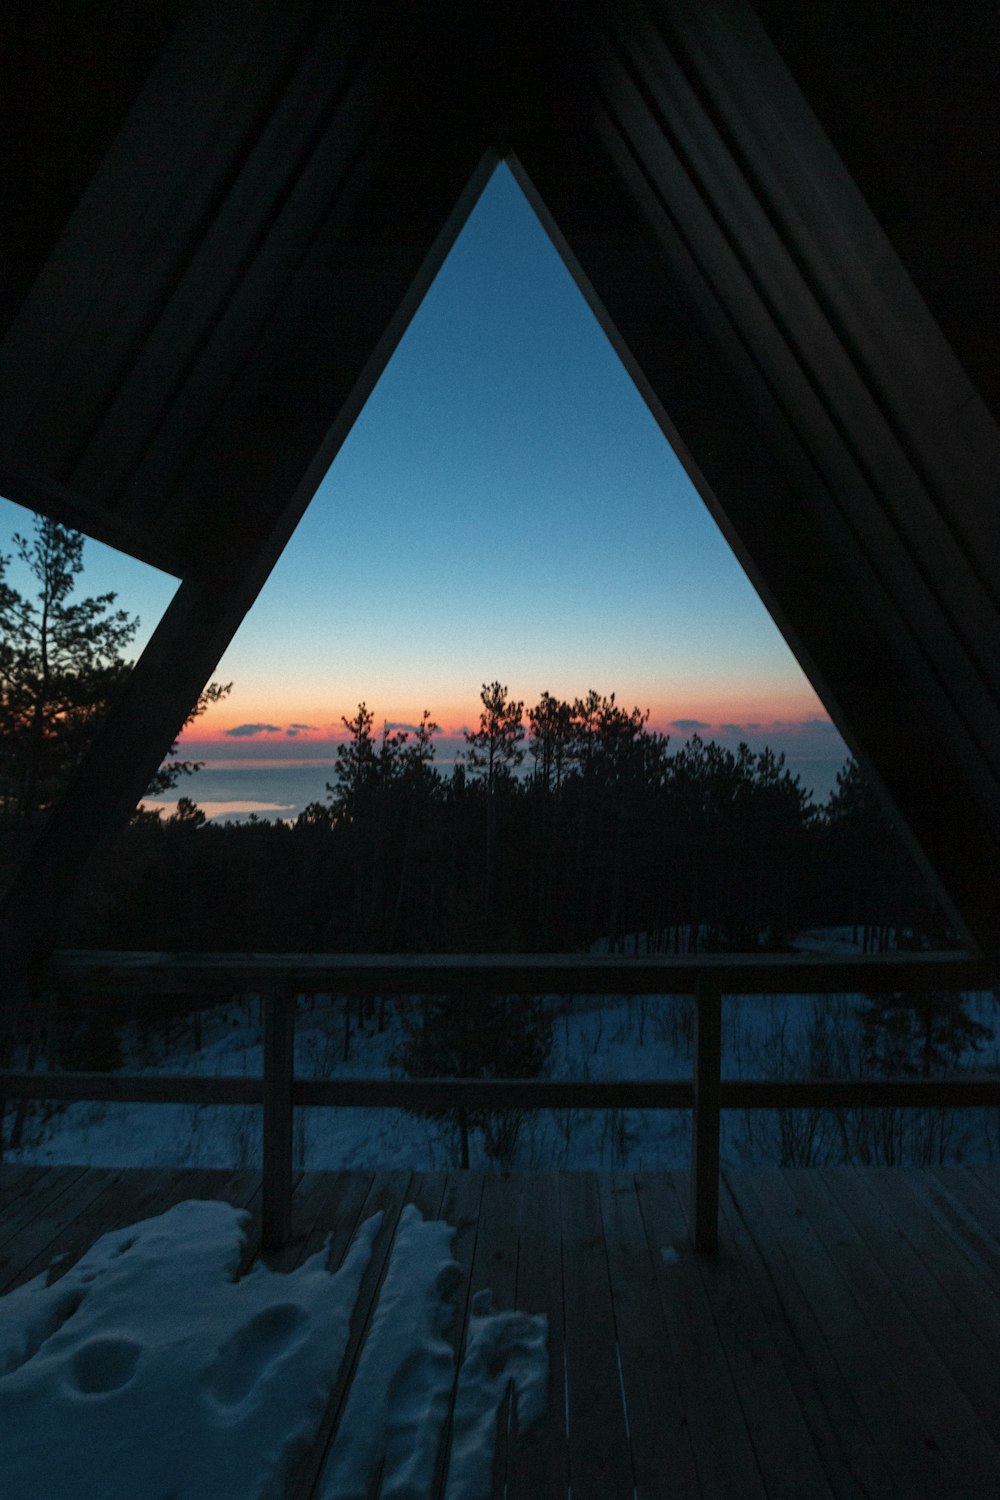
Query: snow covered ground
column 150, row 1337
column 591, row 1038
column 618, row 1037
column 151, row 1334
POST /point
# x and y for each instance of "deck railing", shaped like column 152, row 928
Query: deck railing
column 279, row 978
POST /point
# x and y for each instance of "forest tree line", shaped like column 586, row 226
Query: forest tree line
column 569, row 824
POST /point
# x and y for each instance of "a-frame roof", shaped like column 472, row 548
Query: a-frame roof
column 212, row 253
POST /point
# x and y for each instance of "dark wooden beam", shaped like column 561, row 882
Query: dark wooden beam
column 705, row 1117
column 124, row 1088
column 82, row 513
column 118, row 973
column 122, row 250
column 806, row 395
column 240, row 256
column 279, row 1072
column 957, row 1092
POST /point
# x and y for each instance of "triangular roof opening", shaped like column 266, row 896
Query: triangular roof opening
column 504, row 506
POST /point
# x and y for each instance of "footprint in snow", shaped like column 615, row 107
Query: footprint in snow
column 251, row 1350
column 104, row 1364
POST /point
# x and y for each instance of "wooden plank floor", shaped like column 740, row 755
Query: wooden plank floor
column 844, row 1343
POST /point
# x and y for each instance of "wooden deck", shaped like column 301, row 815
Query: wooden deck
column 844, row 1343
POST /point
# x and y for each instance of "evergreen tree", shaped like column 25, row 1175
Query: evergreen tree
column 551, row 742
column 620, row 734
column 356, row 770
column 877, row 884
column 922, row 1035
column 919, row 1035
column 493, row 756
column 416, row 759
column 60, row 666
column 481, row 1036
column 418, row 787
column 494, row 751
column 586, row 717
column 188, row 814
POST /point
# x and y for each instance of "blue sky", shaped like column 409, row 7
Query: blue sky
column 505, row 507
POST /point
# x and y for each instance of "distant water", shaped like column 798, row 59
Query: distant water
column 282, row 791
column 270, row 791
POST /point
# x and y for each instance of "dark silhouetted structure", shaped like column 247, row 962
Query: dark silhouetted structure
column 219, row 218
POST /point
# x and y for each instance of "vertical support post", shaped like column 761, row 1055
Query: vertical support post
column 15, row 987
column 706, row 1115
column 279, row 1063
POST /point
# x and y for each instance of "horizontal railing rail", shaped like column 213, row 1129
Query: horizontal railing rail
column 279, row 978
column 534, row 973
column 508, row 1093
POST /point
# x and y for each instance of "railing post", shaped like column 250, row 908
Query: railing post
column 14, row 990
column 279, row 1062
column 706, row 1115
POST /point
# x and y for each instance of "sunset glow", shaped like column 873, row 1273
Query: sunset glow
column 224, row 726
